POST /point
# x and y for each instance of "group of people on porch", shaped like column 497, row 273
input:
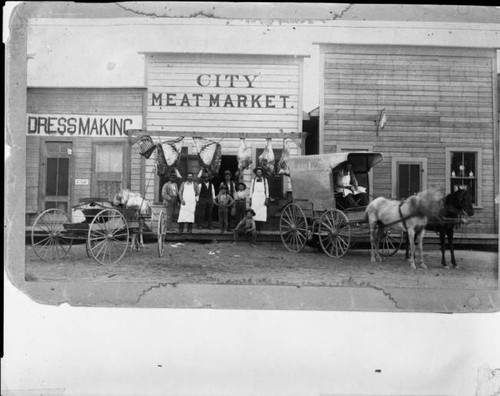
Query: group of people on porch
column 196, row 198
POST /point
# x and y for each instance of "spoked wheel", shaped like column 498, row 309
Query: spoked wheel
column 390, row 241
column 161, row 232
column 293, row 228
column 108, row 237
column 334, row 233
column 48, row 235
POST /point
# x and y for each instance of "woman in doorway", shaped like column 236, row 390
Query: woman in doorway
column 259, row 197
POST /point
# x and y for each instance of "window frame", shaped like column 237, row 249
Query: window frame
column 395, row 161
column 94, row 179
column 479, row 171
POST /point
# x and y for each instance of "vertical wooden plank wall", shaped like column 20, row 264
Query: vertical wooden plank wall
column 93, row 101
column 434, row 98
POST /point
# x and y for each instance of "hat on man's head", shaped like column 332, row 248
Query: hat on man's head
column 257, row 168
column 242, row 184
column 251, row 211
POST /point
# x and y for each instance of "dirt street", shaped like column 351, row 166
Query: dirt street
column 267, row 264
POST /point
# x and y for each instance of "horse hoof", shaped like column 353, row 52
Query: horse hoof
column 456, row 267
column 413, row 266
column 446, row 266
column 423, row 266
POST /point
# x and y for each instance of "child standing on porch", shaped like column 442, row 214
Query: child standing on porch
column 224, row 201
column 240, row 197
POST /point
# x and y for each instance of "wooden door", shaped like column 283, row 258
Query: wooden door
column 55, row 175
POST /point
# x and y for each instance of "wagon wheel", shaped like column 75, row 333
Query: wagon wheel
column 108, row 237
column 390, row 241
column 293, row 228
column 47, row 235
column 161, row 232
column 334, row 233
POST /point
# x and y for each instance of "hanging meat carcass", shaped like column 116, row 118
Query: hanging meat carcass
column 283, row 168
column 209, row 155
column 266, row 159
column 244, row 156
column 168, row 157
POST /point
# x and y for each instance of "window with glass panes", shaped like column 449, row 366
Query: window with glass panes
column 463, row 172
column 108, row 169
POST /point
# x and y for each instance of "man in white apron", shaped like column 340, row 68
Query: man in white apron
column 347, row 184
column 187, row 195
column 259, row 197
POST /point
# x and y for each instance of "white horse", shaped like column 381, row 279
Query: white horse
column 410, row 215
column 131, row 200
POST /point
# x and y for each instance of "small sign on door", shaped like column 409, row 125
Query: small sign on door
column 82, row 182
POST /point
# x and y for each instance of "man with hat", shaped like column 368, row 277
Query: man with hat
column 231, row 190
column 246, row 226
column 259, row 195
column 170, row 195
column 205, row 201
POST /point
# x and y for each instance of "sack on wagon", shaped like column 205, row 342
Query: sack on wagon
column 131, row 200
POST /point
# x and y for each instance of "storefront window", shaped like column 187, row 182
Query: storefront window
column 108, row 170
column 463, row 172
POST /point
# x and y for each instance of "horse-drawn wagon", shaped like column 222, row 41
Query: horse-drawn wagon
column 315, row 215
column 106, row 228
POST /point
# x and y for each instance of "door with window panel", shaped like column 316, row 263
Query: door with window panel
column 56, row 163
column 108, row 175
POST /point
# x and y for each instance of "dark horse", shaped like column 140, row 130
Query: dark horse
column 455, row 209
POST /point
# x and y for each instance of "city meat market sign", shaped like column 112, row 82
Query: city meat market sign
column 225, row 81
column 64, row 125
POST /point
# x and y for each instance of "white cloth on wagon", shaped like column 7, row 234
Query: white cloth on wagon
column 259, row 195
column 186, row 213
column 346, row 181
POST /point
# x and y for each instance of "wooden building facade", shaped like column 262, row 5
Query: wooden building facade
column 80, row 140
column 222, row 98
column 77, row 144
column 432, row 112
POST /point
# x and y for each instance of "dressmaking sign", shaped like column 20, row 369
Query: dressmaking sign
column 66, row 125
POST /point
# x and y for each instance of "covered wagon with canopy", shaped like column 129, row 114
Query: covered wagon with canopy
column 316, row 216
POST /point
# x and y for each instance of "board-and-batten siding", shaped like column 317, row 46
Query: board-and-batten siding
column 435, row 98
column 89, row 101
